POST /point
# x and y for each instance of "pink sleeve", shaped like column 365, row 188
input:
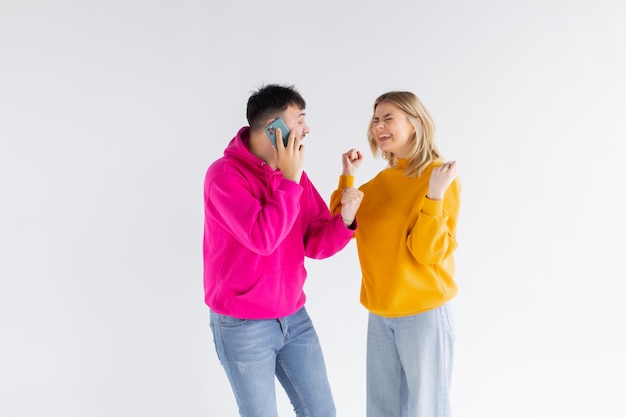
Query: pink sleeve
column 260, row 227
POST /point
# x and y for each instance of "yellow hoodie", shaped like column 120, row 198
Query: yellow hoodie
column 405, row 241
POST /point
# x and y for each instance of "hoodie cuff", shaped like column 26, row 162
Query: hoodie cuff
column 290, row 187
column 432, row 208
column 346, row 181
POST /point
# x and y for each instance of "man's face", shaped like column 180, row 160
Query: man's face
column 294, row 118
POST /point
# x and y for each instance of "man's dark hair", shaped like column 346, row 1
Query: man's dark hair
column 269, row 102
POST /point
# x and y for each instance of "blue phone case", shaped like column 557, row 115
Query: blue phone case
column 270, row 129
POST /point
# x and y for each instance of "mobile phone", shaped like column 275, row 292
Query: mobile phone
column 270, row 130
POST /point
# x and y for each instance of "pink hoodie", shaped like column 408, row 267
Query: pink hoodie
column 258, row 229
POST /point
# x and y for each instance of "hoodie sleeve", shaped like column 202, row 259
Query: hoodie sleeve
column 261, row 226
column 434, row 236
column 345, row 181
column 325, row 234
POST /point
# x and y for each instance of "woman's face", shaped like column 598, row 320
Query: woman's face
column 392, row 129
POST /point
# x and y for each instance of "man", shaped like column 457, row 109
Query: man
column 262, row 217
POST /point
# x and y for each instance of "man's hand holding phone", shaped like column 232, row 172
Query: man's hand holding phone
column 274, row 126
column 290, row 156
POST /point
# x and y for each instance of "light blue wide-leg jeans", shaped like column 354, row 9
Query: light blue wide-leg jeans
column 253, row 352
column 409, row 364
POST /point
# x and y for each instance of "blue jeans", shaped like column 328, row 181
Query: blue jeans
column 253, row 352
column 409, row 364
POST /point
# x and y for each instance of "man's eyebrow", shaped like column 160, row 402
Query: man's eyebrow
column 302, row 114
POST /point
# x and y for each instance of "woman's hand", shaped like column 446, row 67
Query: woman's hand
column 350, row 203
column 440, row 180
column 351, row 161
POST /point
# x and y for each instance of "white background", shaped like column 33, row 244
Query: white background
column 111, row 111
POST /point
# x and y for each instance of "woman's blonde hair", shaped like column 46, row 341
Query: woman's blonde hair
column 423, row 148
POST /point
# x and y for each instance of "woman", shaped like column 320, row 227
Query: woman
column 406, row 239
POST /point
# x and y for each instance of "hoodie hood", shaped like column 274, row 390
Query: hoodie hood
column 238, row 148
